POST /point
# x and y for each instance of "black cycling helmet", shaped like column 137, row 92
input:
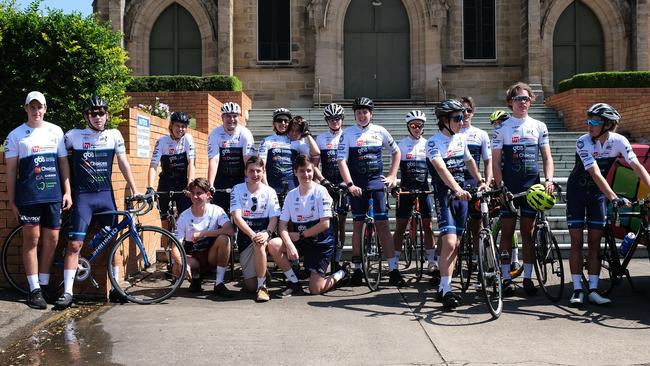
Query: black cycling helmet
column 94, row 102
column 181, row 117
column 281, row 112
column 448, row 107
column 363, row 102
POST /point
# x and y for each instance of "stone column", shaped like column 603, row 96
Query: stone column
column 641, row 58
column 116, row 16
column 534, row 42
column 225, row 35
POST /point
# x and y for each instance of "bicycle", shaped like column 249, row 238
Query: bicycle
column 548, row 264
column 371, row 254
column 414, row 234
column 338, row 194
column 613, row 267
column 146, row 265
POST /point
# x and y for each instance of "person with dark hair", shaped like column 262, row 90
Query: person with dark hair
column 588, row 193
column 276, row 152
column 38, row 187
column 448, row 155
column 175, row 153
column 254, row 208
column 205, row 231
column 303, row 143
column 229, row 147
column 516, row 145
column 362, row 167
column 308, row 208
column 93, row 151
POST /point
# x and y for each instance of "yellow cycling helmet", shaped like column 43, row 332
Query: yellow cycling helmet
column 498, row 116
column 538, row 199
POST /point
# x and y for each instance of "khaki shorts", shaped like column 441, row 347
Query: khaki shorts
column 247, row 262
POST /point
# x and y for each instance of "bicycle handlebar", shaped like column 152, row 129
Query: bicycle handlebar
column 145, row 203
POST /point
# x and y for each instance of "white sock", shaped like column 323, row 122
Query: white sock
column 43, row 279
column 577, row 281
column 116, row 272
column 261, row 282
column 221, row 273
column 505, row 271
column 431, row 255
column 291, row 276
column 33, row 282
column 68, row 280
column 445, row 284
column 356, row 265
column 392, row 263
column 528, row 270
column 593, row 281
column 398, row 253
column 515, row 255
column 338, row 275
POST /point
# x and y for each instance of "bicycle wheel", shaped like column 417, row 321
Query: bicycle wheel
column 371, row 256
column 152, row 283
column 12, row 261
column 464, row 260
column 489, row 273
column 408, row 239
column 418, row 248
column 548, row 264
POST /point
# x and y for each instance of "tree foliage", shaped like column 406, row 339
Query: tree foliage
column 67, row 57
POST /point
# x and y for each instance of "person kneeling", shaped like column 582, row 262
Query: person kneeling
column 308, row 208
column 205, row 231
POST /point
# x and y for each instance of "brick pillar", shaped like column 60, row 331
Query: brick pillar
column 534, row 43
column 642, row 40
column 225, row 35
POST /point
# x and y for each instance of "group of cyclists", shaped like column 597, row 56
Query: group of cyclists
column 278, row 197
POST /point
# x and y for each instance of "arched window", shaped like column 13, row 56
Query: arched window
column 175, row 44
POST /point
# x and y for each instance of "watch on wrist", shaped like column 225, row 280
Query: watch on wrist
column 301, row 236
column 349, row 184
column 482, row 180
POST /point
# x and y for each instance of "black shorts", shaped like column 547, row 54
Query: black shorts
column 316, row 255
column 47, row 215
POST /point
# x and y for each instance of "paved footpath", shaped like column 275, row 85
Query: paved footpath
column 389, row 327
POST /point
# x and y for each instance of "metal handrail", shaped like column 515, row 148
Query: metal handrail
column 441, row 88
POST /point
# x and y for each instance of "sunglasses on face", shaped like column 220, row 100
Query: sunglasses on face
column 95, row 114
column 415, row 125
column 281, row 121
column 468, row 111
column 254, row 207
column 457, row 119
column 521, row 99
column 594, row 122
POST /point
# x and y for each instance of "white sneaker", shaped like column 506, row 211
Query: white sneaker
column 577, row 299
column 596, row 298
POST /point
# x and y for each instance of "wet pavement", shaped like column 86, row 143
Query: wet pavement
column 347, row 326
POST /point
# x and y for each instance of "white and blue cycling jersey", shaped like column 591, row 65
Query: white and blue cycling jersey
column 277, row 153
column 92, row 158
column 454, row 152
column 174, row 156
column 362, row 148
column 37, row 150
column 306, row 211
column 413, row 164
column 328, row 143
column 602, row 156
column 520, row 141
column 188, row 224
column 256, row 209
column 478, row 143
column 231, row 150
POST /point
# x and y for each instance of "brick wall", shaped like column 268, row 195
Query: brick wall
column 632, row 103
column 139, row 166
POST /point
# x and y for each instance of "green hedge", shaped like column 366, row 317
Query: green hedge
column 184, row 83
column 626, row 79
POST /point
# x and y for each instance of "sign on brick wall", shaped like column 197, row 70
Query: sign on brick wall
column 142, row 133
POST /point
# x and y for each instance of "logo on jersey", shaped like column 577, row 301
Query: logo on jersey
column 410, row 156
column 360, row 142
column 595, row 154
column 515, row 139
column 329, row 146
column 38, row 160
column 171, row 150
column 88, row 155
column 299, row 217
column 36, row 149
column 580, row 144
column 86, row 145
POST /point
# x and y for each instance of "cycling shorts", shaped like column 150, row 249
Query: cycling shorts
column 359, row 206
column 47, row 215
column 316, row 255
column 407, row 202
column 579, row 205
column 87, row 204
column 448, row 223
column 200, row 255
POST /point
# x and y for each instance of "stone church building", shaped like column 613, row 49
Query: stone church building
column 298, row 52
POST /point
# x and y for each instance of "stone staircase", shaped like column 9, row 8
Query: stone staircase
column 392, row 118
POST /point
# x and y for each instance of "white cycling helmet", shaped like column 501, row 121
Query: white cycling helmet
column 415, row 115
column 230, row 107
column 333, row 110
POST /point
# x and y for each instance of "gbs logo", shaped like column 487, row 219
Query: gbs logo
column 88, row 155
column 38, row 160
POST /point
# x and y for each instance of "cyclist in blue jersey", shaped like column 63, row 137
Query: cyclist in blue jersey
column 175, row 153
column 328, row 144
column 516, row 144
column 588, row 193
column 414, row 176
column 93, row 150
column 229, row 147
column 478, row 143
column 36, row 163
column 361, row 167
column 255, row 209
column 308, row 208
column 276, row 152
column 448, row 156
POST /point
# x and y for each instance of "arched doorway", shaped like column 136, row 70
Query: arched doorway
column 578, row 44
column 376, row 50
column 175, row 43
